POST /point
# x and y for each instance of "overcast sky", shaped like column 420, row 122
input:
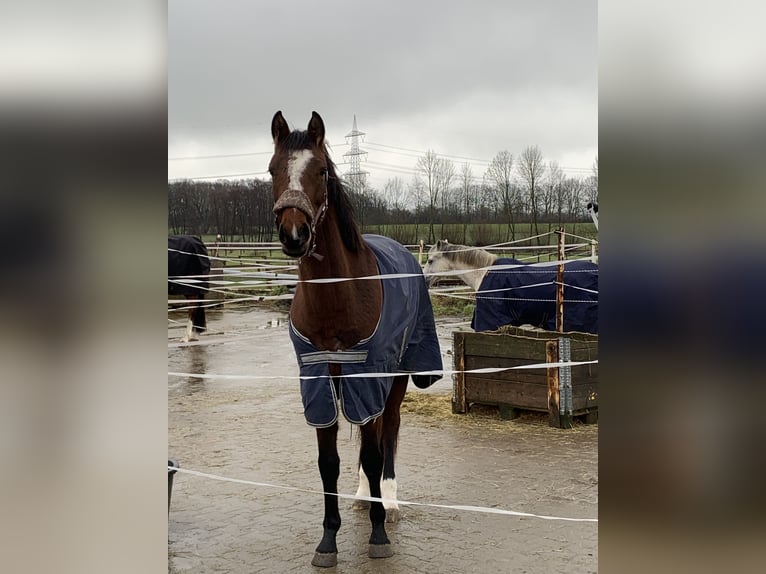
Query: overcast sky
column 464, row 79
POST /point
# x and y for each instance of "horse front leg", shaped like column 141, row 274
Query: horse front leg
column 326, row 554
column 371, row 457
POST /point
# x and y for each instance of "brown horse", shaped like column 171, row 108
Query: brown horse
column 348, row 327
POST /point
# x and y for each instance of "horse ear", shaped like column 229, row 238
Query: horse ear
column 316, row 129
column 279, row 128
column 438, row 243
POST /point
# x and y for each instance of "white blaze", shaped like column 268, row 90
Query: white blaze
column 296, row 166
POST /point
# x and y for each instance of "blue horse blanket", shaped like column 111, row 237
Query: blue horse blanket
column 404, row 341
column 527, row 295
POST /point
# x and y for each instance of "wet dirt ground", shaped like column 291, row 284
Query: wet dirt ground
column 255, row 430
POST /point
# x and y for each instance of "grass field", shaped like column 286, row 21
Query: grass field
column 474, row 234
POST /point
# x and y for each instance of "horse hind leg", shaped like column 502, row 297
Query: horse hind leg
column 363, row 490
column 199, row 320
column 388, row 491
column 389, row 441
column 189, row 334
column 196, row 321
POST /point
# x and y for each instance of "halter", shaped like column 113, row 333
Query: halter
column 297, row 199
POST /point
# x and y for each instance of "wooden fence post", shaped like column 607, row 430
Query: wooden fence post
column 552, row 356
column 560, row 283
column 459, row 404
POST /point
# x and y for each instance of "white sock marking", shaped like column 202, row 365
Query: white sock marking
column 189, row 332
column 364, row 484
column 388, row 491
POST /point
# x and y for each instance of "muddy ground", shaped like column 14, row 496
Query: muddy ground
column 255, row 430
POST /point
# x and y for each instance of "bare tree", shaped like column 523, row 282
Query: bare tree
column 593, row 191
column 427, row 167
column 595, row 171
column 499, row 176
column 553, row 200
column 445, row 174
column 434, row 177
column 466, row 196
column 416, row 195
column 395, row 196
column 531, row 170
column 574, row 191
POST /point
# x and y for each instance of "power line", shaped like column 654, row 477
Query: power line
column 396, row 150
column 226, row 155
column 401, row 151
column 219, row 155
column 219, row 176
column 421, row 152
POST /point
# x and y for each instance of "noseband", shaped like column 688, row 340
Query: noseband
column 297, row 199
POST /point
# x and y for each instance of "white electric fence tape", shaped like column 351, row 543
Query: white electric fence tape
column 461, row 507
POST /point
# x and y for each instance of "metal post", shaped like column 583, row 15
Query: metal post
column 565, row 384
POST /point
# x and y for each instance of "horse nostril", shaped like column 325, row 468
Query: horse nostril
column 283, row 235
column 292, row 235
column 305, row 233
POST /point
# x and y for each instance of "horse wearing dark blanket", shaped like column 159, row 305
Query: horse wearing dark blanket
column 350, row 327
column 188, row 271
column 511, row 292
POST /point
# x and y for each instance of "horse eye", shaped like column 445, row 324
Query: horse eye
column 323, row 171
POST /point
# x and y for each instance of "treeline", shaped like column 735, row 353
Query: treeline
column 518, row 197
column 237, row 210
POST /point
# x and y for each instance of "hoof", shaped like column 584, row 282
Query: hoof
column 360, row 505
column 392, row 515
column 380, row 551
column 325, row 559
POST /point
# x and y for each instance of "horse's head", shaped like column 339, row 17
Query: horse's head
column 299, row 174
column 437, row 261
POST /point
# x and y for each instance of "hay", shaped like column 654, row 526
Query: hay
column 436, row 408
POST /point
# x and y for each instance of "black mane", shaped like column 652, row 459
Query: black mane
column 338, row 197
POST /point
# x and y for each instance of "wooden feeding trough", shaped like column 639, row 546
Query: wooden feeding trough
column 562, row 392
